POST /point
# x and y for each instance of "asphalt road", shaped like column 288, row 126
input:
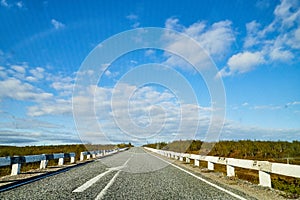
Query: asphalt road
column 133, row 174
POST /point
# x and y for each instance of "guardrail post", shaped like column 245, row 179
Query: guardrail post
column 187, row 160
column 210, row 165
column 197, row 163
column 15, row 169
column 93, row 155
column 180, row 158
column 72, row 159
column 88, row 156
column 81, row 156
column 264, row 179
column 230, row 170
column 43, row 164
column 60, row 161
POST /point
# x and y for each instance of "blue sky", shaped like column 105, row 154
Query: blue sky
column 253, row 47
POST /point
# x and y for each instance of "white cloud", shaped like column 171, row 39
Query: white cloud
column 31, row 79
column 16, row 71
column 15, row 89
column 252, row 37
column 278, row 54
column 4, row 3
column 287, row 13
column 139, row 112
column 173, row 23
column 19, row 4
column 56, row 24
column 215, row 40
column 245, row 104
column 236, row 131
column 297, row 34
column 3, row 73
column 149, row 52
column 57, row 107
column 277, row 41
column 136, row 25
column 267, row 107
column 37, row 72
column 263, row 4
column 18, row 68
column 243, row 62
column 62, row 86
column 134, row 20
column 293, row 103
column 292, row 39
column 132, row 17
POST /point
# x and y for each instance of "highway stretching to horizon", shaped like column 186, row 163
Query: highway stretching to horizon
column 132, row 174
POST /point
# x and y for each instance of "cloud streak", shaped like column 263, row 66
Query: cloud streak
column 56, row 24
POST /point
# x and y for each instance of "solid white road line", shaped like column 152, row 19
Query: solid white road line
column 202, row 179
column 103, row 192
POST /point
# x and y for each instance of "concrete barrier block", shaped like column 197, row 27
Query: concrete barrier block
column 61, row 161
column 265, row 179
column 210, row 165
column 81, row 156
column 15, row 169
column 197, row 163
column 43, row 164
column 72, row 160
column 230, row 170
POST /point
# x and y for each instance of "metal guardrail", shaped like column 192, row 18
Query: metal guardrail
column 98, row 153
column 264, row 168
column 17, row 161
